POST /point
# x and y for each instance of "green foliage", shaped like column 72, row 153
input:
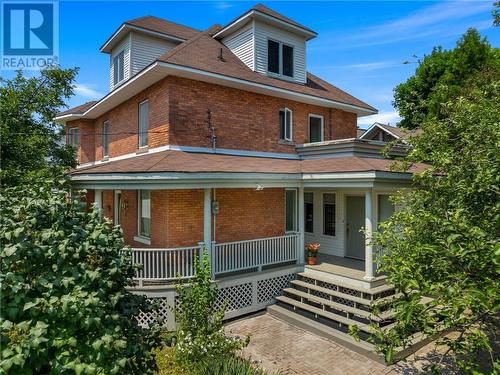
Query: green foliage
column 31, row 141
column 229, row 366
column 65, row 306
column 443, row 243
column 496, row 13
column 440, row 77
column 200, row 335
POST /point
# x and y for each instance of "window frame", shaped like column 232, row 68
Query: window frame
column 105, row 139
column 305, row 216
column 117, row 202
column 281, row 60
column 120, row 58
column 322, row 130
column 71, row 137
column 140, row 134
column 139, row 215
column 295, row 214
column 323, row 221
column 283, row 136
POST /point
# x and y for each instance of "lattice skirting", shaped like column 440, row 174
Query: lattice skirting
column 242, row 295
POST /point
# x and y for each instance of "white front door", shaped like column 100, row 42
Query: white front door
column 355, row 221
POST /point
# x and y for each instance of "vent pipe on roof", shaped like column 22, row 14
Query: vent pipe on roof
column 221, row 57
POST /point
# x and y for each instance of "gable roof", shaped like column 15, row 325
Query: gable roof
column 79, row 109
column 152, row 25
column 266, row 14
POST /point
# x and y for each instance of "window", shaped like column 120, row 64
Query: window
column 286, row 124
column 144, row 212
column 118, row 67
column 287, row 60
column 273, row 56
column 385, row 208
column 309, row 212
column 73, row 137
column 315, row 128
column 329, row 214
column 143, row 123
column 105, row 139
column 279, row 58
column 118, row 206
column 290, row 210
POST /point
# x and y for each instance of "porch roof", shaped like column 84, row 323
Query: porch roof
column 198, row 162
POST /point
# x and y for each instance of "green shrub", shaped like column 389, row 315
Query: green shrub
column 65, row 306
column 229, row 366
column 200, row 334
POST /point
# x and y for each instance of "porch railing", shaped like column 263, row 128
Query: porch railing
column 241, row 255
column 165, row 264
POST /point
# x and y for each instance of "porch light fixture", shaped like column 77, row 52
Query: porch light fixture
column 215, row 208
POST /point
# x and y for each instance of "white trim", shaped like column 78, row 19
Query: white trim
column 159, row 70
column 377, row 125
column 205, row 150
column 322, row 127
column 126, row 27
column 144, row 240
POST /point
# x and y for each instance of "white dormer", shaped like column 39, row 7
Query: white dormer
column 138, row 43
column 269, row 43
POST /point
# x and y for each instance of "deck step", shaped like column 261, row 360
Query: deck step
column 320, row 329
column 330, row 292
column 339, row 306
column 343, row 284
column 325, row 314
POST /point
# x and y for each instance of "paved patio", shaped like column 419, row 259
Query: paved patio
column 279, row 346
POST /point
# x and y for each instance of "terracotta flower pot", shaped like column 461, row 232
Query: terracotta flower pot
column 311, row 261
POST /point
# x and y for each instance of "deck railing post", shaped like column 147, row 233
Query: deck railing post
column 300, row 238
column 368, row 235
column 213, row 260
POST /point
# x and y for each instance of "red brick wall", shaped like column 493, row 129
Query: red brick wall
column 244, row 120
column 247, row 214
column 178, row 116
column 177, row 215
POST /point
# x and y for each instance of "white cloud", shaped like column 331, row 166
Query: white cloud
column 390, row 118
column 87, row 91
column 376, row 65
column 430, row 21
column 223, row 5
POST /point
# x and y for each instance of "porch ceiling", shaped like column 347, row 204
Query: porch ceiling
column 194, row 168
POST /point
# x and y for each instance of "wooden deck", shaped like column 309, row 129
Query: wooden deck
column 340, row 266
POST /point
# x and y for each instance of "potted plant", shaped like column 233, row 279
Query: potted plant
column 312, row 252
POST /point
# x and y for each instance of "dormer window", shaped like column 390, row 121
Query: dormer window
column 279, row 58
column 118, row 67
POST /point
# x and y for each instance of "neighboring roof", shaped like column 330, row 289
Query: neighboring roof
column 202, row 52
column 191, row 162
column 266, row 14
column 394, row 131
column 79, row 109
column 159, row 26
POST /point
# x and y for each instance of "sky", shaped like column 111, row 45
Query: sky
column 360, row 47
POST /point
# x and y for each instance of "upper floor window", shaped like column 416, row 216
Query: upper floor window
column 73, row 137
column 118, row 67
column 279, row 58
column 143, row 123
column 105, row 139
column 286, row 127
column 316, row 128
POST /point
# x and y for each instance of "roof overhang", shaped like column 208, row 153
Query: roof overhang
column 125, row 28
column 159, row 70
column 177, row 180
column 257, row 15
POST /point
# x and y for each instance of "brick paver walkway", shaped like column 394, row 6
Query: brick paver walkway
column 279, row 346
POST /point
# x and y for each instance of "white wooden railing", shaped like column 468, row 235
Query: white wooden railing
column 241, row 255
column 165, row 264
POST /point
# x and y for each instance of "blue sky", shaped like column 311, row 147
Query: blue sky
column 360, row 48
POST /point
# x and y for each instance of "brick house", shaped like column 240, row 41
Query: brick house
column 222, row 139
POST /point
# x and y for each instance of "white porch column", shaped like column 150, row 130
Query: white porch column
column 98, row 200
column 301, row 244
column 207, row 222
column 368, row 235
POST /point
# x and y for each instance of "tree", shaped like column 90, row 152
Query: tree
column 65, row 306
column 496, row 13
column 443, row 242
column 30, row 140
column 440, row 77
